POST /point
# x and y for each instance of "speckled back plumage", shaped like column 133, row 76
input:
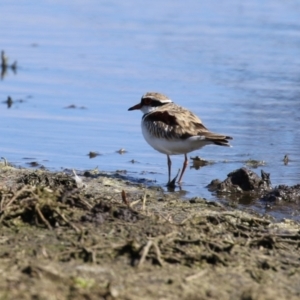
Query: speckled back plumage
column 172, row 121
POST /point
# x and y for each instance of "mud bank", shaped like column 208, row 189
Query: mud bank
column 116, row 239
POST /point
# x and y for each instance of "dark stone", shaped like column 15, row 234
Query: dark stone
column 241, row 180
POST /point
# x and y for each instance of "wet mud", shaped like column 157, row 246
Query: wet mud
column 113, row 238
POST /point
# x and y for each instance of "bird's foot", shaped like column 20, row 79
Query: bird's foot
column 171, row 184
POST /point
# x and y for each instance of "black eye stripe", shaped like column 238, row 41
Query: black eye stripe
column 147, row 101
column 158, row 103
column 154, row 103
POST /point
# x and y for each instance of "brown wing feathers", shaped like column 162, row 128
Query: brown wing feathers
column 181, row 126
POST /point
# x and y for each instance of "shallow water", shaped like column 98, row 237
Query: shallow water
column 235, row 64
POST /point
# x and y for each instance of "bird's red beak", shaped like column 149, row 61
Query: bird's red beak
column 137, row 106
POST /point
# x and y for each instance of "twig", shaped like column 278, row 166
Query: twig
column 92, row 253
column 124, row 199
column 18, row 193
column 144, row 202
column 42, row 217
column 145, row 252
column 133, row 203
column 196, row 276
column 5, row 161
column 154, row 242
column 158, row 253
column 187, row 218
column 67, row 221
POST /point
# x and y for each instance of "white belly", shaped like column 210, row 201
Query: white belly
column 172, row 146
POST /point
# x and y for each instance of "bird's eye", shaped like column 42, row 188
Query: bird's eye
column 147, row 101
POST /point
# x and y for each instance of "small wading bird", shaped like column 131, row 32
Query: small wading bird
column 172, row 129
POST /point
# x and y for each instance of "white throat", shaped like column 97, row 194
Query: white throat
column 147, row 108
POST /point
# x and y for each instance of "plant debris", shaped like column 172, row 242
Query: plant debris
column 100, row 241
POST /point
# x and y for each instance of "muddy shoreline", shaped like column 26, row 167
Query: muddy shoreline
column 112, row 238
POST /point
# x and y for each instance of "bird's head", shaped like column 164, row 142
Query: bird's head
column 151, row 101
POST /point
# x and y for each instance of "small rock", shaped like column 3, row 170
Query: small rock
column 283, row 193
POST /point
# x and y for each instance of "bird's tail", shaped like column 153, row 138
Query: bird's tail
column 219, row 139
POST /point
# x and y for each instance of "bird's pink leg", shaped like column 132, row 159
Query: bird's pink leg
column 185, row 164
